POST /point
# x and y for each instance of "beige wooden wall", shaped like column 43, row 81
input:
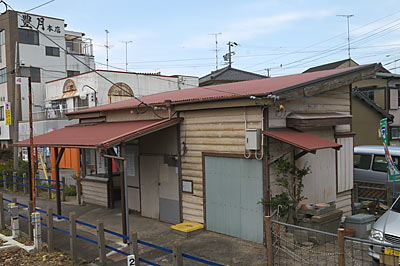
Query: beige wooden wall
column 213, row 130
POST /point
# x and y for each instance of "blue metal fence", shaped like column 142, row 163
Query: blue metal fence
column 164, row 249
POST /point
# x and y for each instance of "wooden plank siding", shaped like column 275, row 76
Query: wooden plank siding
column 343, row 202
column 214, row 130
column 94, row 192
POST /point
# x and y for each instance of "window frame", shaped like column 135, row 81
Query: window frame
column 50, row 51
column 28, row 33
column 3, row 75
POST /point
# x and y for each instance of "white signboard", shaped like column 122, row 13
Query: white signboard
column 43, row 24
column 131, row 260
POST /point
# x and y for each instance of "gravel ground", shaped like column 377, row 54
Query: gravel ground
column 18, row 256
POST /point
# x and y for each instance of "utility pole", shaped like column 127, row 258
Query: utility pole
column 230, row 53
column 31, row 162
column 268, row 72
column 348, row 33
column 216, row 48
column 126, row 54
column 107, row 46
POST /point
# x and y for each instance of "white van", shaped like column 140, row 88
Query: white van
column 370, row 164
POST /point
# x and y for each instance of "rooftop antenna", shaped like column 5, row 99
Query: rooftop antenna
column 216, row 48
column 126, row 54
column 107, row 46
column 348, row 33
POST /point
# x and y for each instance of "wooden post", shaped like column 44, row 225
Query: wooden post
column 72, row 236
column 341, row 261
column 135, row 248
column 101, row 243
column 78, row 191
column 50, row 241
column 30, row 225
column 123, row 201
column 14, row 179
column 58, row 156
column 25, row 183
column 64, row 191
column 4, row 182
column 2, row 217
column 268, row 240
column 178, row 261
column 14, row 200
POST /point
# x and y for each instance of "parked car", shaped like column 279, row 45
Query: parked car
column 386, row 230
column 370, row 164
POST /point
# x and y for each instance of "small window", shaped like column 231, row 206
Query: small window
column 28, row 36
column 362, row 161
column 52, row 51
column 2, row 37
column 379, row 163
column 90, row 157
column 3, row 75
column 72, row 73
column 2, row 113
column 395, row 132
column 33, row 72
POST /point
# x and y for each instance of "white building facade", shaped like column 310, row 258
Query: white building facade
column 41, row 48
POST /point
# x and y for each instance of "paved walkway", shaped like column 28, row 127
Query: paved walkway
column 212, row 246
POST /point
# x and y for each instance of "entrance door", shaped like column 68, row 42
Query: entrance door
column 233, row 190
column 149, row 185
column 169, row 194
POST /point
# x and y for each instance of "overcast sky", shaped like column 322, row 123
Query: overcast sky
column 285, row 36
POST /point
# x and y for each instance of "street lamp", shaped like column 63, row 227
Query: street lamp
column 95, row 93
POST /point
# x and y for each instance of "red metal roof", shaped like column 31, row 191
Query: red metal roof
column 98, row 135
column 301, row 140
column 229, row 90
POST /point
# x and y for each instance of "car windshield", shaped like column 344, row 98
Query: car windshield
column 396, row 206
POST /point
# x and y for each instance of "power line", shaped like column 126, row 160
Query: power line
column 36, row 7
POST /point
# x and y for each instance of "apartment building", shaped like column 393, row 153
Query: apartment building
column 41, row 48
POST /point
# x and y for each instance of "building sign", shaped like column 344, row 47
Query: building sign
column 43, row 24
column 7, row 113
column 120, row 89
column 69, row 85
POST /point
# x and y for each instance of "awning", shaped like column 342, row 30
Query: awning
column 302, row 140
column 98, row 135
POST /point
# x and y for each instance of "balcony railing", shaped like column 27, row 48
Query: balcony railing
column 79, row 47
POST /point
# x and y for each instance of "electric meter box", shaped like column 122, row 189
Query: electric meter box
column 253, row 140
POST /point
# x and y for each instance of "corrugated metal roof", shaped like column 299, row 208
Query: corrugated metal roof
column 98, row 135
column 302, row 140
column 229, row 90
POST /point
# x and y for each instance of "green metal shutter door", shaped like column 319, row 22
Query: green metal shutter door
column 233, row 188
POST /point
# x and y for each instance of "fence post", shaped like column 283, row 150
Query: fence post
column 50, row 242
column 30, row 225
column 389, row 195
column 78, row 190
column 14, row 179
column 72, row 235
column 355, row 191
column 268, row 240
column 49, row 185
column 178, row 261
column 2, row 217
column 64, row 192
column 101, row 242
column 14, row 200
column 14, row 219
column 340, row 233
column 36, row 188
column 37, row 232
column 135, row 248
column 24, row 182
column 4, row 182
